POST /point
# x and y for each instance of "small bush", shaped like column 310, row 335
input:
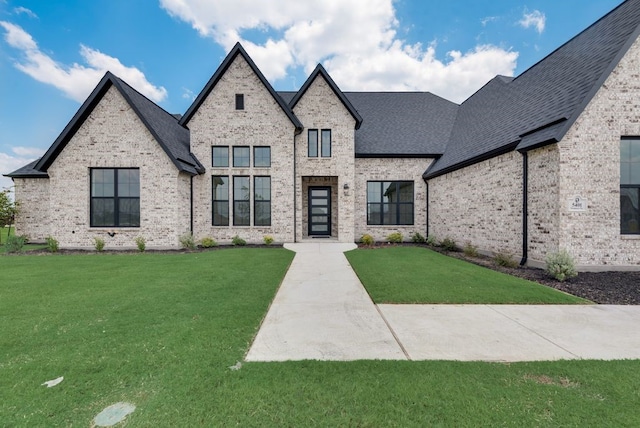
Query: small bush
column 236, row 240
column 268, row 240
column 417, row 238
column 98, row 243
column 141, row 243
column 470, row 250
column 395, row 237
column 15, row 243
column 505, row 259
column 432, row 241
column 448, row 244
column 52, row 244
column 367, row 240
column 208, row 242
column 187, row 241
column 561, row 266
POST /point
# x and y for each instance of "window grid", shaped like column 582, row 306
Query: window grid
column 220, row 199
column 220, row 156
column 241, row 156
column 390, row 203
column 262, row 157
column 114, row 197
column 630, row 186
column 241, row 201
column 262, row 201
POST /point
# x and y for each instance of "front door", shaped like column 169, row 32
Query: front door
column 319, row 211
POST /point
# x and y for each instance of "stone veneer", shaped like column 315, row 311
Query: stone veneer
column 33, row 218
column 114, row 137
column 261, row 123
column 397, row 169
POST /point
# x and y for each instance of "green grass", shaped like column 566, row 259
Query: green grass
column 420, row 275
column 162, row 330
column 5, row 232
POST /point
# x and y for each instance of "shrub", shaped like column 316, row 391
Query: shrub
column 236, row 240
column 98, row 243
column 395, row 237
column 15, row 243
column 418, row 238
column 505, row 259
column 470, row 250
column 432, row 241
column 187, row 241
column 268, row 240
column 52, row 244
column 367, row 240
column 141, row 243
column 208, row 242
column 448, row 244
column 561, row 266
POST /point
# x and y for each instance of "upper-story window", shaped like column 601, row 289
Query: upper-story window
column 241, row 156
column 630, row 186
column 262, row 157
column 239, row 101
column 220, row 156
column 321, row 147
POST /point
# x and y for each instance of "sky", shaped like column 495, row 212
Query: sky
column 53, row 53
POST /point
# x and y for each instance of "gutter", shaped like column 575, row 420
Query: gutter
column 525, row 208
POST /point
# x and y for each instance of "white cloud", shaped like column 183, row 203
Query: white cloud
column 31, row 152
column 488, row 19
column 10, row 163
column 23, row 10
column 356, row 40
column 76, row 80
column 534, row 19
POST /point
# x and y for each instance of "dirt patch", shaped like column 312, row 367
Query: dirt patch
column 547, row 380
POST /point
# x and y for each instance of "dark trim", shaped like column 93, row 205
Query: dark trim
column 320, row 71
column 394, row 206
column 222, row 69
column 329, row 214
column 321, row 145
column 398, row 155
column 525, row 208
column 427, row 209
column 540, row 128
column 191, row 205
column 239, row 101
column 539, row 145
column 116, row 198
column 256, row 201
column 42, row 175
column 295, row 194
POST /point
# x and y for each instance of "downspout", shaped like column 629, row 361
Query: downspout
column 295, row 196
column 427, row 209
column 525, row 208
column 191, row 206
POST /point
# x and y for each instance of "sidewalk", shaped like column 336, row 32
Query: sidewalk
column 322, row 312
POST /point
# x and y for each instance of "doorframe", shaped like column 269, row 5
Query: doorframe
column 329, row 190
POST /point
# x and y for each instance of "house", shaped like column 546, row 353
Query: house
column 529, row 165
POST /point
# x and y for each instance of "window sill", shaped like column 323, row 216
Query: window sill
column 630, row 237
column 390, row 225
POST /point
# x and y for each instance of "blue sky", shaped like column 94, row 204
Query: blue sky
column 52, row 53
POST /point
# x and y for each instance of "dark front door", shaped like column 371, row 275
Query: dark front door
column 319, row 211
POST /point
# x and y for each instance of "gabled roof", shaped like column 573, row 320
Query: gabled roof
column 173, row 138
column 28, row 171
column 320, row 71
column 237, row 50
column 540, row 106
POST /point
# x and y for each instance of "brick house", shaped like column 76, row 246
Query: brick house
column 529, row 165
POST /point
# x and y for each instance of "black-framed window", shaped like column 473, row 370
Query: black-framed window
column 325, row 143
column 241, row 201
column 220, row 156
column 390, row 202
column 312, row 136
column 262, row 157
column 630, row 186
column 261, row 201
column 115, row 197
column 239, row 101
column 220, row 198
column 241, row 156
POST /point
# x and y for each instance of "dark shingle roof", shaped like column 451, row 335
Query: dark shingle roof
column 28, row 171
column 539, row 106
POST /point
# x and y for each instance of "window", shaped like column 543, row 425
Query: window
column 239, row 101
column 220, row 156
column 326, row 143
column 241, row 156
column 115, row 197
column 390, row 202
column 630, row 186
column 262, row 157
column 220, row 198
column 262, row 201
column 313, row 143
column 241, row 208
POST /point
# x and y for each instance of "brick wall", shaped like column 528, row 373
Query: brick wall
column 33, row 216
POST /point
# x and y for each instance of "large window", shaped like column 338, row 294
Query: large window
column 262, row 201
column 390, row 202
column 241, row 201
column 241, row 156
column 262, row 157
column 115, row 197
column 220, row 156
column 324, row 148
column 220, row 198
column 630, row 186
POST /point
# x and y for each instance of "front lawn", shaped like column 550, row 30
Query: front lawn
column 162, row 331
column 419, row 275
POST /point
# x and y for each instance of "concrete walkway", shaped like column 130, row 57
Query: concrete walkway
column 322, row 312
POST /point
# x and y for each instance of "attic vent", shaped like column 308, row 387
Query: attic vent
column 239, row 101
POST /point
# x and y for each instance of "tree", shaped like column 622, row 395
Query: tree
column 8, row 210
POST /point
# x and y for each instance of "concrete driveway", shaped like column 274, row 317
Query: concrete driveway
column 322, row 312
